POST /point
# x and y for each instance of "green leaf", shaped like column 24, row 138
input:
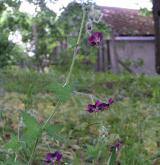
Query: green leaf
column 156, row 156
column 112, row 158
column 62, row 93
column 71, row 41
column 11, row 161
column 53, row 130
column 31, row 130
column 13, row 143
column 92, row 151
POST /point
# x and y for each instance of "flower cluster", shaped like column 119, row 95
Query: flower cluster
column 117, row 145
column 95, row 38
column 53, row 157
column 99, row 106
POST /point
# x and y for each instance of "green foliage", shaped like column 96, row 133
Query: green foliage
column 13, row 143
column 134, row 115
column 10, row 21
column 31, row 129
column 62, row 93
column 69, row 20
column 145, row 12
column 10, row 161
column 96, row 152
column 156, row 156
column 27, row 82
column 112, row 158
column 46, row 32
column 5, row 50
column 53, row 131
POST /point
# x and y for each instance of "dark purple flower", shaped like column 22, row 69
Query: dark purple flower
column 52, row 157
column 110, row 101
column 103, row 106
column 118, row 144
column 48, row 158
column 98, row 103
column 91, row 108
column 95, row 38
column 97, row 106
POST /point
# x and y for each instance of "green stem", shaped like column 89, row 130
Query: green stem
column 112, row 158
column 51, row 116
column 33, row 150
column 75, row 49
column 42, row 128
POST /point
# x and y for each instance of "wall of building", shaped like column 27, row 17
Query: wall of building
column 133, row 53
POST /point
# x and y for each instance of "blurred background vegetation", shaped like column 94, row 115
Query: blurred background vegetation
column 40, row 34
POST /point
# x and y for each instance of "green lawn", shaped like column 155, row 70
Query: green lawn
column 83, row 138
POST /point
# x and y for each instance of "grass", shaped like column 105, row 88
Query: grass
column 85, row 138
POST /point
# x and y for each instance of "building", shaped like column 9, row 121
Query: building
column 131, row 43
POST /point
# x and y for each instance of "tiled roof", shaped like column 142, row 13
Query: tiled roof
column 128, row 22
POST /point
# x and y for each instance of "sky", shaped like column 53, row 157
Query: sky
column 131, row 4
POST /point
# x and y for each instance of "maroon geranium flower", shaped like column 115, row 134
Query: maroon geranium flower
column 103, row 106
column 117, row 145
column 110, row 101
column 95, row 38
column 98, row 106
column 91, row 108
column 53, row 157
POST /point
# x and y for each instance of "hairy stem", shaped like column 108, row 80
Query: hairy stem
column 42, row 128
column 33, row 150
column 76, row 49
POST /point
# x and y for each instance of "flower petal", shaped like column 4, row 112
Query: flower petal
column 95, row 38
column 110, row 101
column 91, row 108
column 97, row 103
column 103, row 106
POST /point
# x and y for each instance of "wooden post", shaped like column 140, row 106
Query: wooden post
column 156, row 15
column 98, row 60
column 108, row 55
column 105, row 58
column 114, row 54
column 101, row 61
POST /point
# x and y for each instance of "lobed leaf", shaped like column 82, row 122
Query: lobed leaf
column 32, row 128
column 62, row 93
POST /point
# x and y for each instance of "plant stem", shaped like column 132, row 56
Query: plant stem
column 50, row 117
column 75, row 49
column 42, row 128
column 33, row 150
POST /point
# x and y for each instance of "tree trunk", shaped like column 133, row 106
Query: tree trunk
column 156, row 15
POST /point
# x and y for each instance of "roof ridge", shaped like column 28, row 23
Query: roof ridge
column 121, row 8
